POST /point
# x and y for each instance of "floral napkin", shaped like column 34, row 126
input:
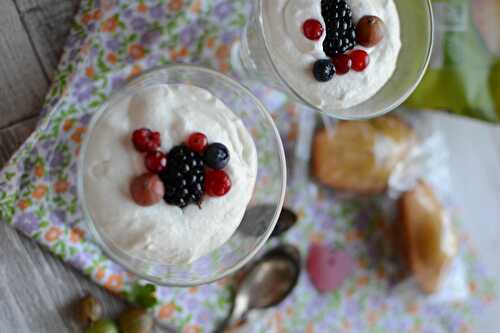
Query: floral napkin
column 114, row 40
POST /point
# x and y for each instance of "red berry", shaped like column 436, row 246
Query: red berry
column 313, row 29
column 197, row 142
column 155, row 161
column 342, row 63
column 145, row 140
column 360, row 60
column 217, row 183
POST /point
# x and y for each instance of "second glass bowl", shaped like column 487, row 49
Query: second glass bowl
column 269, row 188
column 252, row 59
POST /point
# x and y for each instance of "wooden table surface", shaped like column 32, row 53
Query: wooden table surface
column 36, row 288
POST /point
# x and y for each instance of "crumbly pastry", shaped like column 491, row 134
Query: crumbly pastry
column 359, row 156
column 425, row 235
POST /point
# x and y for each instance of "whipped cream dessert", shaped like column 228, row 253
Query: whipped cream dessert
column 161, row 232
column 294, row 55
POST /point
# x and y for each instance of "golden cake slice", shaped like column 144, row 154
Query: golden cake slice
column 359, row 156
column 426, row 238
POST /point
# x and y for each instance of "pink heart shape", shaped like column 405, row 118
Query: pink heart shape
column 328, row 267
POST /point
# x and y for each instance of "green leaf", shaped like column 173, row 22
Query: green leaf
column 9, row 175
column 142, row 295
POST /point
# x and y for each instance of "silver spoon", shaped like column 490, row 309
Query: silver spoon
column 261, row 214
column 265, row 284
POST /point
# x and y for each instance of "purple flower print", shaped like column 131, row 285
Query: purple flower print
column 227, row 37
column 117, row 82
column 27, row 223
column 84, row 95
column 58, row 215
column 139, row 23
column 81, row 82
column 222, row 10
column 57, row 160
column 153, row 60
column 85, row 119
column 150, row 37
column 81, row 260
column 113, row 44
column 128, row 13
column 188, row 34
column 157, row 11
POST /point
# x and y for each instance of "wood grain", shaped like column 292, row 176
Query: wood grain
column 22, row 81
column 47, row 23
column 13, row 136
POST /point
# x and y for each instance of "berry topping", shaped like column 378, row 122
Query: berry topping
column 197, row 142
column 369, row 31
column 360, row 60
column 217, row 183
column 155, row 161
column 183, row 177
column 145, row 140
column 340, row 31
column 313, row 29
column 216, row 156
column 323, row 70
column 147, row 190
column 342, row 63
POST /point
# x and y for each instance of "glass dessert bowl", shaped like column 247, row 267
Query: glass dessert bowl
column 169, row 170
column 349, row 59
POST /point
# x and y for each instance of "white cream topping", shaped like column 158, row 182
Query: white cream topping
column 294, row 55
column 164, row 233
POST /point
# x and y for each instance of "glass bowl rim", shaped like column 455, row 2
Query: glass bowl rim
column 124, row 91
column 381, row 112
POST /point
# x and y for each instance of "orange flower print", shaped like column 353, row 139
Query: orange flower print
column 192, row 329
column 39, row 170
column 193, row 290
column 142, row 8
column 86, row 19
column 472, row 287
column 107, row 4
column 99, row 274
column 114, row 282
column 89, row 71
column 77, row 135
column 196, row 6
column 412, row 308
column 76, row 234
column 210, row 42
column 362, row 281
column 110, row 24
column 310, row 328
column 23, row 204
column 39, row 192
column 97, row 14
column 372, row 317
column 136, row 51
column 112, row 58
column 175, row 5
column 53, row 234
column 68, row 124
column 61, row 186
column 224, row 67
column 167, row 311
column 136, row 70
column 222, row 53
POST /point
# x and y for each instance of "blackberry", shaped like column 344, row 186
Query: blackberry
column 183, row 177
column 340, row 29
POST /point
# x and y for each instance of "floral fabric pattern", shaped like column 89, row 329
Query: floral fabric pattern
column 114, row 40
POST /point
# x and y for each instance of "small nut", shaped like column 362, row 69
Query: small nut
column 147, row 190
column 369, row 31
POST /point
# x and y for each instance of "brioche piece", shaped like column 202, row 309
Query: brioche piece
column 360, row 155
column 427, row 241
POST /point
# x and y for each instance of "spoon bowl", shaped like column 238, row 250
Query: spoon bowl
column 266, row 283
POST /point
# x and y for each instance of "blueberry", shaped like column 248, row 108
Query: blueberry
column 216, row 156
column 323, row 70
